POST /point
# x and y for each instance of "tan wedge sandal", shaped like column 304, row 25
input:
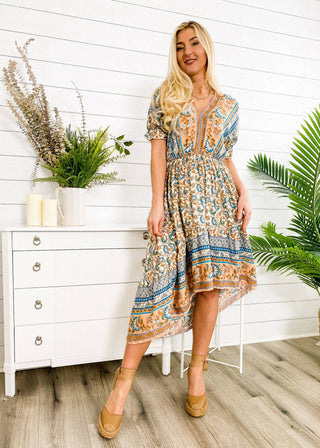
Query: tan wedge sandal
column 109, row 424
column 197, row 405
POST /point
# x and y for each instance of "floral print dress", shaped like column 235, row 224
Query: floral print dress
column 203, row 245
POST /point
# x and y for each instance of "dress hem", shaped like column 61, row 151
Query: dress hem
column 166, row 333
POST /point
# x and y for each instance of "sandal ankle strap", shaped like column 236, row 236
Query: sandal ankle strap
column 125, row 374
column 198, row 360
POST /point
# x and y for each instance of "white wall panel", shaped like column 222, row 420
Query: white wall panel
column 267, row 56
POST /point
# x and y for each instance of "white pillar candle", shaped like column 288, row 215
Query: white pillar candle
column 34, row 209
column 49, row 212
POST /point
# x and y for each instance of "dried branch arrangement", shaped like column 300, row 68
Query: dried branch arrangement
column 69, row 155
column 32, row 111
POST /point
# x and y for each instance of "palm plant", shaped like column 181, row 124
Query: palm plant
column 299, row 253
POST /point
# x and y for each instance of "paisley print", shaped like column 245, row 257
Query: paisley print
column 203, row 245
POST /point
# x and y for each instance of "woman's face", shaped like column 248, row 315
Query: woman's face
column 190, row 49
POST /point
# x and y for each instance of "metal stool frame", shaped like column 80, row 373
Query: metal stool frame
column 183, row 352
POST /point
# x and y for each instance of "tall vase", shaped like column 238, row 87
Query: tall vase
column 72, row 210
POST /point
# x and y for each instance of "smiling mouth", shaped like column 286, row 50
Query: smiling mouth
column 189, row 61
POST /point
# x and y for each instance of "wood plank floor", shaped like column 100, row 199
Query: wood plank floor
column 274, row 403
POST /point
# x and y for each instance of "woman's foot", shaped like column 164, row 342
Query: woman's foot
column 117, row 398
column 196, row 384
column 110, row 417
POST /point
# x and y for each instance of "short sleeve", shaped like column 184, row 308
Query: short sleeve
column 231, row 130
column 154, row 120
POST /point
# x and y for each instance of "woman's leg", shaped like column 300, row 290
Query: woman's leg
column 131, row 359
column 203, row 322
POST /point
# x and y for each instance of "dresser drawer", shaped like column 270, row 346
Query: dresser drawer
column 77, row 267
column 33, row 306
column 89, row 341
column 79, row 240
column 85, row 267
column 73, row 303
column 33, row 342
column 33, row 269
column 90, row 302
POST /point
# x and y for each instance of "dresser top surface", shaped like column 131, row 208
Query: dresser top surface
column 85, row 228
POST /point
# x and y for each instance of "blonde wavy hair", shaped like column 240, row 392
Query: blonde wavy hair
column 176, row 90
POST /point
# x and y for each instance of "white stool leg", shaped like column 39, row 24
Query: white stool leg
column 166, row 352
column 219, row 335
column 241, row 334
column 182, row 355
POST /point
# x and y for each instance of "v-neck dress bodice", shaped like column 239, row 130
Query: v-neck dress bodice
column 203, row 245
column 213, row 131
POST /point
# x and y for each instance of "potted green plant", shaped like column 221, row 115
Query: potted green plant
column 73, row 157
column 78, row 168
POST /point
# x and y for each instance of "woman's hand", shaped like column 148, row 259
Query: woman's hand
column 155, row 220
column 244, row 207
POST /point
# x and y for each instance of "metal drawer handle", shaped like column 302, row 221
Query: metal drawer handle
column 146, row 235
column 36, row 266
column 38, row 340
column 38, row 304
column 36, row 240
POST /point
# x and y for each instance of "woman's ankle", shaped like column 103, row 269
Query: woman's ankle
column 118, row 394
column 197, row 386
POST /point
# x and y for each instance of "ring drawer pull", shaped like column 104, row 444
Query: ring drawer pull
column 38, row 340
column 36, row 266
column 38, row 304
column 145, row 235
column 36, row 240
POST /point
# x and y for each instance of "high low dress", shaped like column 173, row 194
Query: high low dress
column 203, row 245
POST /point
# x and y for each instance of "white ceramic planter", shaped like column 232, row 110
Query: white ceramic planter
column 72, row 210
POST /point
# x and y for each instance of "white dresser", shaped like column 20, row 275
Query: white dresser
column 68, row 294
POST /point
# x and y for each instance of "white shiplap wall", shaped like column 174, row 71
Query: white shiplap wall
column 116, row 52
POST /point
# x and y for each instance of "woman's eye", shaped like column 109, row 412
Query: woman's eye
column 193, row 43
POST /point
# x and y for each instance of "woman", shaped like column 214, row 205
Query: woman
column 198, row 258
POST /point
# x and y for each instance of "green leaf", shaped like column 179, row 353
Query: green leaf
column 274, row 175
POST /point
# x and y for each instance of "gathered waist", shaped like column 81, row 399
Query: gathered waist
column 205, row 157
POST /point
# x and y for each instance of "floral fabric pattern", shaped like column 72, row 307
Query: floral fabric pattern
column 203, row 246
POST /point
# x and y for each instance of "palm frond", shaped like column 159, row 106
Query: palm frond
column 273, row 174
column 281, row 253
column 305, row 175
column 306, row 236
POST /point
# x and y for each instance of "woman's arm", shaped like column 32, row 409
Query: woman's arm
column 244, row 201
column 235, row 176
column 158, row 169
